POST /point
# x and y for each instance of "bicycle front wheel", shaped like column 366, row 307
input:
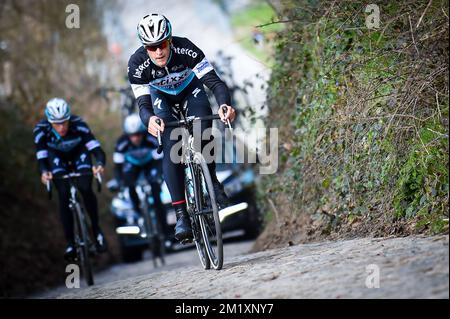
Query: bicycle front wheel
column 83, row 246
column 208, row 213
column 201, row 247
column 190, row 195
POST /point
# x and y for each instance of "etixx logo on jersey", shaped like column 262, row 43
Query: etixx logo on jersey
column 172, row 80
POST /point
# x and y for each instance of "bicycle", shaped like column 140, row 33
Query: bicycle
column 84, row 245
column 151, row 224
column 200, row 197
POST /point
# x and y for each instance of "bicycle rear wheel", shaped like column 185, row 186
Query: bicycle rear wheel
column 152, row 240
column 158, row 249
column 208, row 213
column 82, row 242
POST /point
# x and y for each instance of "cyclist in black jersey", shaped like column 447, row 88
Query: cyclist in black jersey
column 64, row 143
column 135, row 154
column 169, row 70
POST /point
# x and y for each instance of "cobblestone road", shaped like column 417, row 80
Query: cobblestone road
column 411, row 267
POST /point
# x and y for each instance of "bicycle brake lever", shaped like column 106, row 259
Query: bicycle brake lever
column 99, row 177
column 160, row 147
column 99, row 182
column 229, row 124
column 49, row 190
column 225, row 110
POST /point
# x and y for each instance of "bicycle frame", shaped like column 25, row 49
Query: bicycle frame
column 152, row 226
column 79, row 217
column 199, row 176
column 83, row 243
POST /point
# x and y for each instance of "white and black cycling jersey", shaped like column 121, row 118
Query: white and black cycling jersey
column 185, row 64
column 139, row 155
column 130, row 156
column 78, row 138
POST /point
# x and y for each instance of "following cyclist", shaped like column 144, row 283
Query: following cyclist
column 169, row 70
column 64, row 143
column 135, row 153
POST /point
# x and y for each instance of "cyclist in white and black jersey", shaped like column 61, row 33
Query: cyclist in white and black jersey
column 64, row 144
column 135, row 154
column 169, row 70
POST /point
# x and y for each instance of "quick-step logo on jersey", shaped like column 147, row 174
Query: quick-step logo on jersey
column 202, row 68
column 202, row 65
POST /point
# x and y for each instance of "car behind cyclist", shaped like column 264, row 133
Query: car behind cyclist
column 135, row 154
column 169, row 70
column 64, row 144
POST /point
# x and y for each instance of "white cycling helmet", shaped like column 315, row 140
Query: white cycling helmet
column 57, row 110
column 154, row 29
column 133, row 124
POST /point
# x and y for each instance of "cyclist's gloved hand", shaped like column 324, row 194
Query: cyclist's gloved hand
column 230, row 115
column 46, row 177
column 98, row 169
column 153, row 127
